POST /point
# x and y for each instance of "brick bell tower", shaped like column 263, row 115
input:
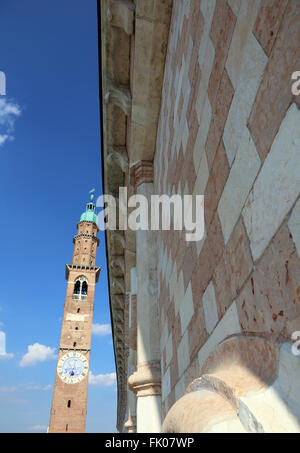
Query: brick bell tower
column 68, row 412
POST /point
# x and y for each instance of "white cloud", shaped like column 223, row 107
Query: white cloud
column 101, row 329
column 3, row 138
column 21, row 387
column 37, row 353
column 3, row 353
column 102, row 380
column 14, row 400
column 6, row 355
column 31, row 386
column 8, row 389
column 9, row 111
column 2, row 343
column 39, row 428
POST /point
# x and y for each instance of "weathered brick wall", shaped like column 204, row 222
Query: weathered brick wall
column 229, row 129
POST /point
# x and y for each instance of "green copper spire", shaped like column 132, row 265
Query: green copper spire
column 89, row 215
column 92, row 194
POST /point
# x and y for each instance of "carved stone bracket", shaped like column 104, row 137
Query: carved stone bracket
column 119, row 157
column 146, row 380
column 118, row 261
column 119, row 329
column 121, row 14
column 118, row 282
column 119, row 96
column 117, row 301
column 119, row 348
column 119, row 237
column 119, row 315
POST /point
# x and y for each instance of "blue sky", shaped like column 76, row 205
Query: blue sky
column 50, row 159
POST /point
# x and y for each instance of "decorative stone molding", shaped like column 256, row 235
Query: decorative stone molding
column 119, row 315
column 132, row 76
column 117, row 301
column 118, row 282
column 119, row 96
column 120, row 347
column 80, row 267
column 119, row 330
column 84, row 235
column 118, row 261
column 141, row 173
column 146, row 380
column 119, row 237
column 130, row 425
column 118, row 156
column 120, row 362
column 121, row 14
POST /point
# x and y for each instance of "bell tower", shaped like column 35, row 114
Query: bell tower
column 68, row 412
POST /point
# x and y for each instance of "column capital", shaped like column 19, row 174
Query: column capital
column 146, row 380
column 141, row 172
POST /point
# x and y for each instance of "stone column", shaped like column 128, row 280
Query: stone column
column 146, row 381
column 130, row 424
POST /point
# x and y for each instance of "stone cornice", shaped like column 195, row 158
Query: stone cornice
column 87, row 222
column 134, row 38
column 84, row 269
column 85, row 235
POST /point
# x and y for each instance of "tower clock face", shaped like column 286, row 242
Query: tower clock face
column 72, row 367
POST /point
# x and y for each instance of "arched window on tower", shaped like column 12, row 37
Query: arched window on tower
column 84, row 288
column 77, row 287
column 80, row 289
